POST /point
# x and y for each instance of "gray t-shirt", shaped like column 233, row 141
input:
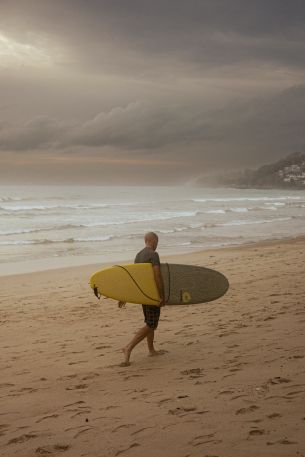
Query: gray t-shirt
column 147, row 255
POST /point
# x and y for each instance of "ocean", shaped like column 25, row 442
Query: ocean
column 45, row 227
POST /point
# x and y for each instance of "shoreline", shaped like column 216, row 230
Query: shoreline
column 42, row 265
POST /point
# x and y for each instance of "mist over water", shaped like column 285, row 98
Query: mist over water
column 101, row 224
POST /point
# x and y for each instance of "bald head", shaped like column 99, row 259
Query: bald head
column 151, row 240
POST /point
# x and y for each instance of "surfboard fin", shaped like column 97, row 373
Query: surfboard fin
column 96, row 292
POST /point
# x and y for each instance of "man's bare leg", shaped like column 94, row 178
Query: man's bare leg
column 144, row 332
column 150, row 343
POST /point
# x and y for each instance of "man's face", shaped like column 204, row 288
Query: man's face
column 154, row 243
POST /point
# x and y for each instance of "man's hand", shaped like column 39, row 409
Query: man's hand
column 121, row 304
column 161, row 302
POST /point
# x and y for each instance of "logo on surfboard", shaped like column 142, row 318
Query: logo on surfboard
column 185, row 296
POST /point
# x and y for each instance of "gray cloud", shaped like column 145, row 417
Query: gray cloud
column 275, row 124
column 139, row 125
column 40, row 132
column 218, row 81
column 109, row 34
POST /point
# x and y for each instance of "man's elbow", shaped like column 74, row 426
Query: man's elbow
column 157, row 269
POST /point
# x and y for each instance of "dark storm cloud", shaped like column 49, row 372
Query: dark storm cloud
column 207, row 78
column 40, row 132
column 144, row 126
column 198, row 33
column 139, row 125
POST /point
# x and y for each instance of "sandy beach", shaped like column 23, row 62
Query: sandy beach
column 231, row 382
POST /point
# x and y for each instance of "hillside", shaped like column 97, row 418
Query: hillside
column 287, row 173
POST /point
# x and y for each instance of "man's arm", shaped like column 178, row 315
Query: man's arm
column 159, row 283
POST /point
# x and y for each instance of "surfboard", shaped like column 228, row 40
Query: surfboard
column 183, row 284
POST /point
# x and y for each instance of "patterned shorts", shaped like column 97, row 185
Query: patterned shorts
column 151, row 314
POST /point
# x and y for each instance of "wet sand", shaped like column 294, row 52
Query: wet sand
column 231, row 382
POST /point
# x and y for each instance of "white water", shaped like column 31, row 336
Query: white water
column 72, row 225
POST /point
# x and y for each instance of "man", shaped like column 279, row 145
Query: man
column 151, row 312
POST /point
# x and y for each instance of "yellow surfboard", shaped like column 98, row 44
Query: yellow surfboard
column 183, row 284
column 132, row 283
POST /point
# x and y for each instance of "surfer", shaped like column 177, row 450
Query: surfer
column 151, row 312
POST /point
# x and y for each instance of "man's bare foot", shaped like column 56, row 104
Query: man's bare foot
column 126, row 353
column 124, row 364
column 154, row 353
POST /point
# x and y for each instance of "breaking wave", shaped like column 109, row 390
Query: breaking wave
column 241, row 199
column 54, row 241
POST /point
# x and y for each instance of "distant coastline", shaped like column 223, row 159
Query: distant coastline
column 287, row 173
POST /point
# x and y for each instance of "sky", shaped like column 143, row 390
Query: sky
column 148, row 92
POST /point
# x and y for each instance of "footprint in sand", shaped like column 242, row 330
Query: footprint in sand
column 90, row 376
column 102, row 346
column 269, row 318
column 79, row 361
column 141, row 430
column 193, row 372
column 77, row 387
column 121, row 427
column 183, row 411
column 3, row 429
column 164, row 400
column 250, row 409
column 86, row 411
column 22, row 438
column 6, row 384
column 278, row 380
column 257, row 432
column 274, row 415
column 51, row 416
column 80, row 402
column 203, row 439
column 234, row 370
column 24, row 390
column 45, row 450
column 121, row 451
column 228, row 333
column 295, row 393
column 283, row 441
column 226, row 392
column 84, row 430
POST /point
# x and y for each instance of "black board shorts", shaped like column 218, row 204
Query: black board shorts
column 151, row 315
